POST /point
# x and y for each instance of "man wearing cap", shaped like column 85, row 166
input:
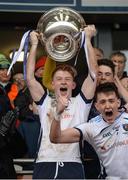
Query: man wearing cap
column 11, row 143
column 21, row 99
column 5, row 85
column 39, row 68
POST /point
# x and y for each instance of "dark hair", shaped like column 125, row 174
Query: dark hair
column 107, row 62
column 65, row 67
column 118, row 53
column 23, row 100
column 100, row 50
column 105, row 88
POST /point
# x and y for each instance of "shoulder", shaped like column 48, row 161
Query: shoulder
column 97, row 119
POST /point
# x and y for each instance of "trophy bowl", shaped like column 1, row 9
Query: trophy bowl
column 60, row 32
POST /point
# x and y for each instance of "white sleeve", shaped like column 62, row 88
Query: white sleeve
column 87, row 131
column 84, row 107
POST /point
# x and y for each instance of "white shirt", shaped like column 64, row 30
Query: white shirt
column 76, row 113
column 110, row 143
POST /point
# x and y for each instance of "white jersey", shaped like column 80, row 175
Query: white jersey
column 110, row 143
column 76, row 113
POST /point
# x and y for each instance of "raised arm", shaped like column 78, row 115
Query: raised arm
column 122, row 91
column 34, row 86
column 89, row 84
column 57, row 135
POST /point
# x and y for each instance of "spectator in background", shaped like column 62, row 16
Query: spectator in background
column 18, row 79
column 12, row 144
column 99, row 53
column 5, row 85
column 119, row 59
column 124, row 82
column 106, row 71
column 39, row 68
column 17, row 86
column 22, row 97
column 30, row 128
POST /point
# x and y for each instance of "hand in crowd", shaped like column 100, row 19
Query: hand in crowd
column 8, row 120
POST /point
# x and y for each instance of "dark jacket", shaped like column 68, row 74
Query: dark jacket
column 12, row 145
column 30, row 129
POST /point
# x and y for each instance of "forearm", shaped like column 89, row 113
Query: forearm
column 91, row 79
column 55, row 132
column 31, row 62
column 69, row 135
column 92, row 63
column 122, row 91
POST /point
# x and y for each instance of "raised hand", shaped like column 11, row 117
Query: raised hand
column 34, row 38
column 62, row 102
column 90, row 31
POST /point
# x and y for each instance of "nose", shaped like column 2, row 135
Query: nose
column 103, row 76
column 5, row 71
column 63, row 82
column 107, row 105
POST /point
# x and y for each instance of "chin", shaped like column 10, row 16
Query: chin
column 110, row 121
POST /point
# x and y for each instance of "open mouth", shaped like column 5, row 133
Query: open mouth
column 109, row 113
column 63, row 89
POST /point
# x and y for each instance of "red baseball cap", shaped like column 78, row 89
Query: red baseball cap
column 40, row 62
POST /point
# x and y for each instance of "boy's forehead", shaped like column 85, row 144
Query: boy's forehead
column 117, row 58
column 106, row 95
column 104, row 68
column 62, row 73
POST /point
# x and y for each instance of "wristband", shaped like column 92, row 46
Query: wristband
column 57, row 116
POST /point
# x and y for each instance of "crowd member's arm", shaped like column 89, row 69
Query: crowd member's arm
column 122, row 91
column 89, row 84
column 34, row 86
column 8, row 120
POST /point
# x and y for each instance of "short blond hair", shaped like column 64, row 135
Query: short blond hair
column 65, row 67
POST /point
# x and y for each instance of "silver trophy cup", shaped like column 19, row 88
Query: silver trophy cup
column 60, row 32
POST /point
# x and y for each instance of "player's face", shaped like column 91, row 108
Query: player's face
column 63, row 83
column 107, row 104
column 105, row 74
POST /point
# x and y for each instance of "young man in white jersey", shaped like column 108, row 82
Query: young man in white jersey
column 107, row 133
column 61, row 161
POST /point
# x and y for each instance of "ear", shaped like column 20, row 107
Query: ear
column 96, row 106
column 119, row 102
column 52, row 85
column 30, row 107
column 74, row 85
